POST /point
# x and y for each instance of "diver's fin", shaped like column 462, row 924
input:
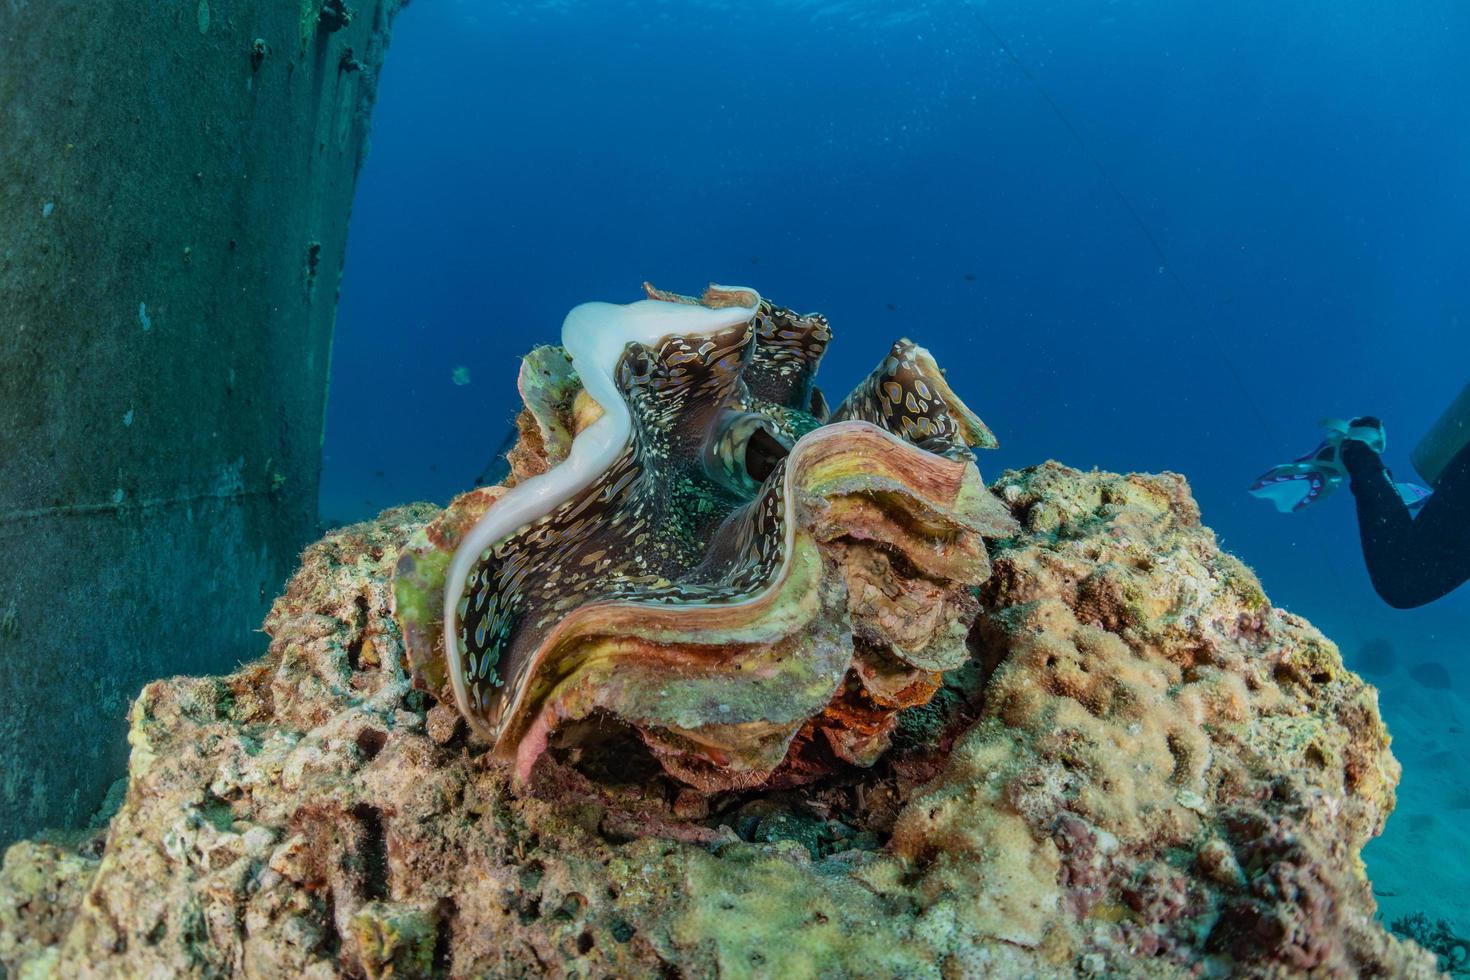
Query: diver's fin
column 1308, row 478
column 1413, row 495
column 1292, row 486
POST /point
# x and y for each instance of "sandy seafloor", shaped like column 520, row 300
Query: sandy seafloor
column 1421, row 862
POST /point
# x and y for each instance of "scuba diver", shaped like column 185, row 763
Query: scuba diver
column 1416, row 541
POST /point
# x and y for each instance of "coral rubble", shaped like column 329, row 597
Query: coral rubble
column 1142, row 769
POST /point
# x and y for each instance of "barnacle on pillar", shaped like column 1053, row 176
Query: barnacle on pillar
column 695, row 546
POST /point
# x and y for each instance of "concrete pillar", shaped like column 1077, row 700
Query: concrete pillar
column 175, row 182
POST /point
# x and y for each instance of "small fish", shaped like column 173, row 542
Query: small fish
column 460, row 375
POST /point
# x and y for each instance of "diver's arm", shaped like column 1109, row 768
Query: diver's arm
column 1411, row 561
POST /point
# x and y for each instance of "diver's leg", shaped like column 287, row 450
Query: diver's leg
column 1411, row 561
column 1443, row 525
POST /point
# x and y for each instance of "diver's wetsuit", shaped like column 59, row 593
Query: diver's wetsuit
column 1411, row 560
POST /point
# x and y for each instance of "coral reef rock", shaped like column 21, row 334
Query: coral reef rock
column 1141, row 769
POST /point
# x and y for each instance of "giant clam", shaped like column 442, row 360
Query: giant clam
column 692, row 543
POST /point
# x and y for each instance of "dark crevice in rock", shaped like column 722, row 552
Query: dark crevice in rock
column 370, row 742
column 372, row 852
column 445, row 913
column 824, row 830
column 359, row 634
column 601, row 763
column 987, row 645
column 607, row 751
column 331, row 940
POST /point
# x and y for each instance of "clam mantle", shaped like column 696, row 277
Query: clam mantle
column 694, row 547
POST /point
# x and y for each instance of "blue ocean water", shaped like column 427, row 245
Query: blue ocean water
column 1139, row 235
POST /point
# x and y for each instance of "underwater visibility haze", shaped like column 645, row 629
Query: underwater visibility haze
column 713, row 632
column 1300, row 172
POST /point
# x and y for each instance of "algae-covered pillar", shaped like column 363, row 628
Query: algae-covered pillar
column 175, row 184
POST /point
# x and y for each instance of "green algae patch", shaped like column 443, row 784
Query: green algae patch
column 1242, row 582
column 763, row 911
column 394, row 940
column 418, row 596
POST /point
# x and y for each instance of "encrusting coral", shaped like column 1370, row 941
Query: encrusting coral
column 1137, row 767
